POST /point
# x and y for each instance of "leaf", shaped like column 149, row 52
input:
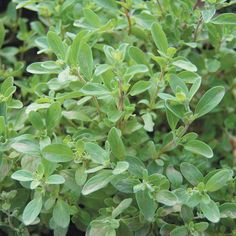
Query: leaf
column 53, row 116
column 95, row 89
column 138, row 56
column 32, row 210
column 135, row 69
column 191, row 173
column 201, row 226
column 97, row 182
column 208, row 13
column 86, row 60
column 116, row 144
column 199, row 147
column 55, row 43
column 2, row 33
column 139, row 87
column 97, row 154
column 148, row 122
column 55, row 179
column 22, row 175
column 172, row 119
column 57, row 153
column 179, row 231
column 228, row 210
column 159, row 37
column 211, row 211
column 186, row 65
column 209, row 100
column 121, row 207
column 218, row 180
column 174, row 176
column 177, row 109
column 146, row 204
column 38, row 68
column 73, row 56
column 166, row 197
column 225, row 19
column 36, row 120
column 121, row 167
column 80, row 175
column 26, row 146
column 92, row 18
column 61, row 213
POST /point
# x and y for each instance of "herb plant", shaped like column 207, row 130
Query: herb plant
column 118, row 117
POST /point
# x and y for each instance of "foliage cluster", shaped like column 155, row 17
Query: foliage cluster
column 118, row 117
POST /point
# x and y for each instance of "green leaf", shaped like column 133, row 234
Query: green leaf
column 179, row 231
column 146, row 204
column 97, row 182
column 199, row 147
column 138, row 56
column 121, row 207
column 228, row 210
column 86, row 61
column 172, row 119
column 22, row 175
column 139, row 87
column 95, row 89
column 116, row 144
column 40, row 69
column 209, row 100
column 121, row 167
column 97, row 154
column 61, row 213
column 2, row 33
column 92, row 18
column 186, row 65
column 174, row 176
column 159, row 37
column 80, row 175
column 225, row 19
column 177, row 109
column 218, row 180
column 57, row 153
column 191, row 173
column 135, row 69
column 56, row 44
column 55, row 179
column 36, row 120
column 166, row 197
column 201, row 226
column 53, row 116
column 73, row 56
column 211, row 211
column 32, row 210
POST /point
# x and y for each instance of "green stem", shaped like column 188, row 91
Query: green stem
column 174, row 141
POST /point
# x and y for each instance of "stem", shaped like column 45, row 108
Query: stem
column 127, row 14
column 197, row 4
column 197, row 29
column 120, row 104
column 159, row 4
column 95, row 101
column 172, row 142
column 154, row 95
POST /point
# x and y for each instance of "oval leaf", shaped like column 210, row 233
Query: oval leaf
column 97, row 182
column 209, row 100
column 32, row 210
column 191, row 173
column 57, row 153
column 199, row 147
column 218, row 180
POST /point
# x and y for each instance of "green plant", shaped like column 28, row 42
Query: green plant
column 100, row 128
